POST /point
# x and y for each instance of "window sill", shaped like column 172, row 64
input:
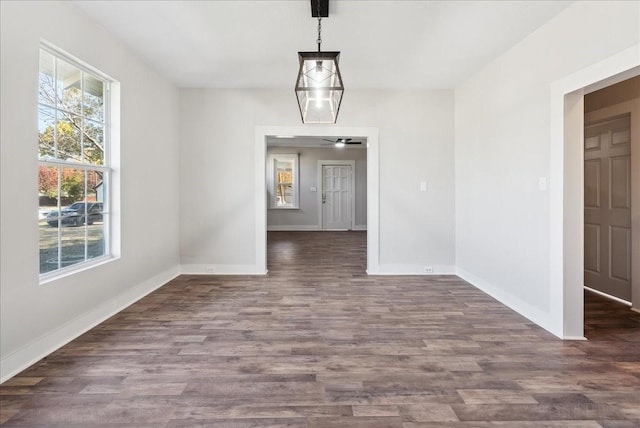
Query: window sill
column 50, row 277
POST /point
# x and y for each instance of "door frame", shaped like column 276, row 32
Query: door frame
column 321, row 164
column 373, row 184
column 566, row 191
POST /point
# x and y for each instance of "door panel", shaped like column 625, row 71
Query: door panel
column 336, row 197
column 607, row 210
column 592, row 248
column 592, row 183
column 620, row 244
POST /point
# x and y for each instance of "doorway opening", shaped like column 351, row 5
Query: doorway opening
column 305, row 183
column 611, row 194
column 567, row 197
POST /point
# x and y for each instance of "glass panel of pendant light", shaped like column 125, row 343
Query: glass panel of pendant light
column 319, row 87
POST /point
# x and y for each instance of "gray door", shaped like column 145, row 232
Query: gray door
column 336, row 197
column 607, row 207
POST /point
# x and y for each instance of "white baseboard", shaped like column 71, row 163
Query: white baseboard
column 402, row 269
column 219, row 269
column 292, row 228
column 574, row 338
column 360, row 227
column 33, row 352
column 526, row 310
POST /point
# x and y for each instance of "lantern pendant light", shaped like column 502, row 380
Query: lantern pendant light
column 319, row 85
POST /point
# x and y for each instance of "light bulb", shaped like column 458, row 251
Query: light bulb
column 340, row 144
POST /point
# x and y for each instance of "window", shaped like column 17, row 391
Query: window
column 74, row 167
column 282, row 179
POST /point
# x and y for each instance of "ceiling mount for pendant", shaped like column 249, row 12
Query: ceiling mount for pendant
column 323, row 11
column 319, row 85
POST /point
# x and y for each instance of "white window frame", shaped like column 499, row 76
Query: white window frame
column 106, row 169
column 272, row 159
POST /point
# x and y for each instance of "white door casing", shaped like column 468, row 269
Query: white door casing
column 337, row 197
column 328, row 131
column 607, row 207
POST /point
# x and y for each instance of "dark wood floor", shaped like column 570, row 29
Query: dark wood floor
column 318, row 343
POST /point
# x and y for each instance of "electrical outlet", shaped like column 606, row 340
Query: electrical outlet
column 428, row 269
column 209, row 268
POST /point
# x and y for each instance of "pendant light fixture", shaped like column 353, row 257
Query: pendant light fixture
column 319, row 85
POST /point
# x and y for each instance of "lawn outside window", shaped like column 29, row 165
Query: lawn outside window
column 74, row 165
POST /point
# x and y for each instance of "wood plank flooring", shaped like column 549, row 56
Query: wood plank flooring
column 320, row 344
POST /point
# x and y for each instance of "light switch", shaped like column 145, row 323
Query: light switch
column 542, row 184
column 313, row 189
column 423, row 186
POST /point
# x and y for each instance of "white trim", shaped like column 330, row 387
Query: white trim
column 412, row 269
column 574, row 338
column 39, row 348
column 292, row 227
column 111, row 116
column 360, row 227
column 566, row 186
column 520, row 306
column 260, row 189
column 607, row 296
column 352, row 190
column 55, row 275
column 214, row 269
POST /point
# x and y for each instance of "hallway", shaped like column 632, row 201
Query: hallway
column 318, row 343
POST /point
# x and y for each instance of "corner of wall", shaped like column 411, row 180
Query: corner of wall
column 39, row 348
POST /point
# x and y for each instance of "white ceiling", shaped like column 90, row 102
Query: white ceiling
column 385, row 44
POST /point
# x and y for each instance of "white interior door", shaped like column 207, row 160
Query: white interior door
column 336, row 197
column 607, row 207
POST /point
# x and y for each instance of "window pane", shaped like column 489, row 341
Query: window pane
column 72, row 187
column 284, row 195
column 46, row 132
column 72, row 249
column 95, row 186
column 48, row 247
column 96, row 235
column 93, row 98
column 48, row 218
column 69, row 79
column 68, row 139
column 47, row 89
column 93, row 140
column 73, row 217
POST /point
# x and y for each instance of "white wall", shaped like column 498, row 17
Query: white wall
column 306, row 217
column 36, row 319
column 217, row 173
column 502, row 138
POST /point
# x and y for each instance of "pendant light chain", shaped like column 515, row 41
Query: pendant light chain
column 319, row 41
